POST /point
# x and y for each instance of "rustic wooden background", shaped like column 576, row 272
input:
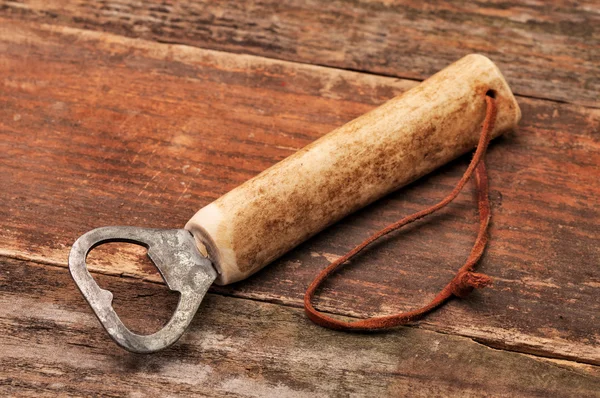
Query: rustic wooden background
column 139, row 113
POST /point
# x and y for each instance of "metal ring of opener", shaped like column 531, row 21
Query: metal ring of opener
column 183, row 268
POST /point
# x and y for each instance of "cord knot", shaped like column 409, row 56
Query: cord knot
column 465, row 281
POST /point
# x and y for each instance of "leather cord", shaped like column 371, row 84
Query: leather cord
column 464, row 281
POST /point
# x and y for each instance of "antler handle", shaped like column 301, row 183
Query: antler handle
column 352, row 166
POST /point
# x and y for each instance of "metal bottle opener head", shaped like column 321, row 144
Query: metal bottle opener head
column 183, row 268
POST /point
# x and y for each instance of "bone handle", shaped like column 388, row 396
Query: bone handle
column 352, row 166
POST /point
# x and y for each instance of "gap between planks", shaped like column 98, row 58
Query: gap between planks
column 409, row 39
column 538, row 354
column 295, row 62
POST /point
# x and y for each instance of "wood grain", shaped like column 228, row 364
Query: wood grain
column 545, row 49
column 244, row 348
column 97, row 129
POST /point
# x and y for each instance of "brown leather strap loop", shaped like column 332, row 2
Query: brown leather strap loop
column 464, row 281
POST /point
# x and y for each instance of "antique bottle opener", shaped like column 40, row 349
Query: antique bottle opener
column 354, row 165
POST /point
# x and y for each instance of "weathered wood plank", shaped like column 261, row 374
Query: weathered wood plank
column 546, row 49
column 98, row 129
column 51, row 344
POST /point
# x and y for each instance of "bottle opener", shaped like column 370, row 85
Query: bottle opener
column 343, row 171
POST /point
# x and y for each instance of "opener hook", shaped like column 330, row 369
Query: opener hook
column 178, row 260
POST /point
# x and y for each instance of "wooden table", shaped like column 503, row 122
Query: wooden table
column 139, row 113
